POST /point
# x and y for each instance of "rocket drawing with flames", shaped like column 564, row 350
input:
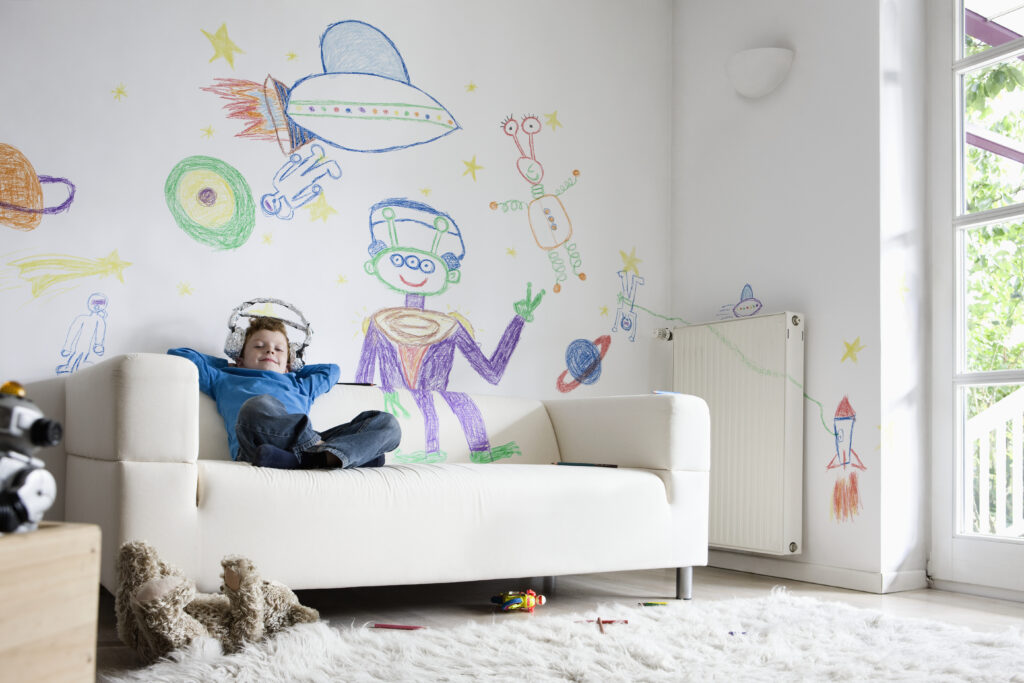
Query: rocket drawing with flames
column 363, row 101
column 845, row 495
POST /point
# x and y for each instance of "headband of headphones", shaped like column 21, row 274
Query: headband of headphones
column 236, row 332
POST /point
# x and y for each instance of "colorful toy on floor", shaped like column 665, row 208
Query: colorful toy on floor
column 518, row 600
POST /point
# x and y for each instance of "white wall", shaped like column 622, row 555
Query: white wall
column 604, row 67
column 903, row 298
column 784, row 193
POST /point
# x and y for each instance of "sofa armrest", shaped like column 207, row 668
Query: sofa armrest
column 655, row 431
column 138, row 407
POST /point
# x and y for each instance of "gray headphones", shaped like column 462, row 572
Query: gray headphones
column 236, row 335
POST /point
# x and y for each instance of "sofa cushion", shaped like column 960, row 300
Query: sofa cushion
column 433, row 522
column 519, row 428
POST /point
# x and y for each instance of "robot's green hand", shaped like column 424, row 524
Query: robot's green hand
column 525, row 307
column 393, row 405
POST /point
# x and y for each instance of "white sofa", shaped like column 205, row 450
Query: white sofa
column 147, row 458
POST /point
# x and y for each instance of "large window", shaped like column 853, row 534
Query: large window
column 989, row 223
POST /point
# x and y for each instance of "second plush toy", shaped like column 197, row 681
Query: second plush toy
column 159, row 611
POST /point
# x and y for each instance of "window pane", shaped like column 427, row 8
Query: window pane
column 993, row 115
column 993, row 267
column 993, row 456
column 989, row 23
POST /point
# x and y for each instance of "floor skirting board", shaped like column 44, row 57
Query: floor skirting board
column 840, row 577
column 981, row 591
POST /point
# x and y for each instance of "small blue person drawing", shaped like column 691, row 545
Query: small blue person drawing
column 88, row 331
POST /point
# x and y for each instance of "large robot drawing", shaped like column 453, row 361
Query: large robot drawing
column 417, row 250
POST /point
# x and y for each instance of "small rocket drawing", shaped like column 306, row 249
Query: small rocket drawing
column 843, row 427
column 846, row 492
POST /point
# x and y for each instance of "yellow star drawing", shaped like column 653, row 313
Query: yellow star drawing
column 184, row 289
column 852, row 349
column 291, row 56
column 319, row 209
column 472, row 167
column 222, row 45
column 208, row 132
column 425, row 191
column 268, row 238
column 341, row 280
column 510, row 251
column 604, row 310
column 886, row 435
column 553, row 121
column 630, row 260
column 119, row 92
column 471, row 86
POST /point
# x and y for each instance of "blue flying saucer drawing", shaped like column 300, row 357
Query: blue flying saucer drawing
column 362, row 102
column 744, row 308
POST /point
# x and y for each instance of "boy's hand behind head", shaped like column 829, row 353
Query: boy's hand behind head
column 265, row 350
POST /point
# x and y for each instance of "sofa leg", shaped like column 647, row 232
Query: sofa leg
column 549, row 586
column 684, row 583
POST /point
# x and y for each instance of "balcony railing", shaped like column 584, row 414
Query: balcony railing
column 994, row 468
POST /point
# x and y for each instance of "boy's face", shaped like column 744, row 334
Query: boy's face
column 265, row 350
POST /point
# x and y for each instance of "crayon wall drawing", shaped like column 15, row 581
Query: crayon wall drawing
column 417, row 251
column 21, row 191
column 85, row 340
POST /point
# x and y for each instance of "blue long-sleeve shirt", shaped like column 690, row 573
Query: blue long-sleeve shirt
column 230, row 387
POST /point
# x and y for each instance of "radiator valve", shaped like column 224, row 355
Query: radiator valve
column 663, row 333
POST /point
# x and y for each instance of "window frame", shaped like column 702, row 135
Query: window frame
column 962, row 221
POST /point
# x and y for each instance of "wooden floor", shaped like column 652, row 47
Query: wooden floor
column 452, row 604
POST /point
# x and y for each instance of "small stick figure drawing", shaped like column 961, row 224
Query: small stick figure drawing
column 89, row 329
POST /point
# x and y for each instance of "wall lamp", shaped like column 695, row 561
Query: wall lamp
column 755, row 73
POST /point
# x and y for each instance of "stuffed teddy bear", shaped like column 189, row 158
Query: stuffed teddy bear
column 159, row 611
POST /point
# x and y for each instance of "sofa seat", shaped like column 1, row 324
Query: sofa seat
column 452, row 522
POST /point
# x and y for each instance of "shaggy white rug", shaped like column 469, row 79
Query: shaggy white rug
column 780, row 637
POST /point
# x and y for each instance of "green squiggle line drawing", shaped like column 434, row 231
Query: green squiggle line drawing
column 746, row 361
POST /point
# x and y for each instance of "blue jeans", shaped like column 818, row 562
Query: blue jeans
column 359, row 443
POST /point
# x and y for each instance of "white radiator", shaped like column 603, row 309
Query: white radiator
column 751, row 373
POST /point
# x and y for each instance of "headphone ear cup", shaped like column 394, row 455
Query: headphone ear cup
column 295, row 356
column 233, row 344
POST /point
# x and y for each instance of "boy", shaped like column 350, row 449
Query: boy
column 264, row 406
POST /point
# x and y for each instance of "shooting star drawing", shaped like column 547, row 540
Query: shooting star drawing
column 62, row 271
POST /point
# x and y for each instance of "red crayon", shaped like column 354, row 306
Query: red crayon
column 402, row 627
column 603, row 621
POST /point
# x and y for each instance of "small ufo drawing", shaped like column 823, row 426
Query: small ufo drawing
column 744, row 308
column 362, row 102
column 21, row 191
column 583, row 361
column 747, row 305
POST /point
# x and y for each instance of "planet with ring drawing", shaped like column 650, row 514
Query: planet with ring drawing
column 21, row 191
column 583, row 361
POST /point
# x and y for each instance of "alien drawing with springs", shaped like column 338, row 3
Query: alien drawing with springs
column 549, row 221
column 417, row 250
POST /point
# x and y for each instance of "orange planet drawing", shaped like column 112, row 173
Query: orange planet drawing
column 21, row 191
